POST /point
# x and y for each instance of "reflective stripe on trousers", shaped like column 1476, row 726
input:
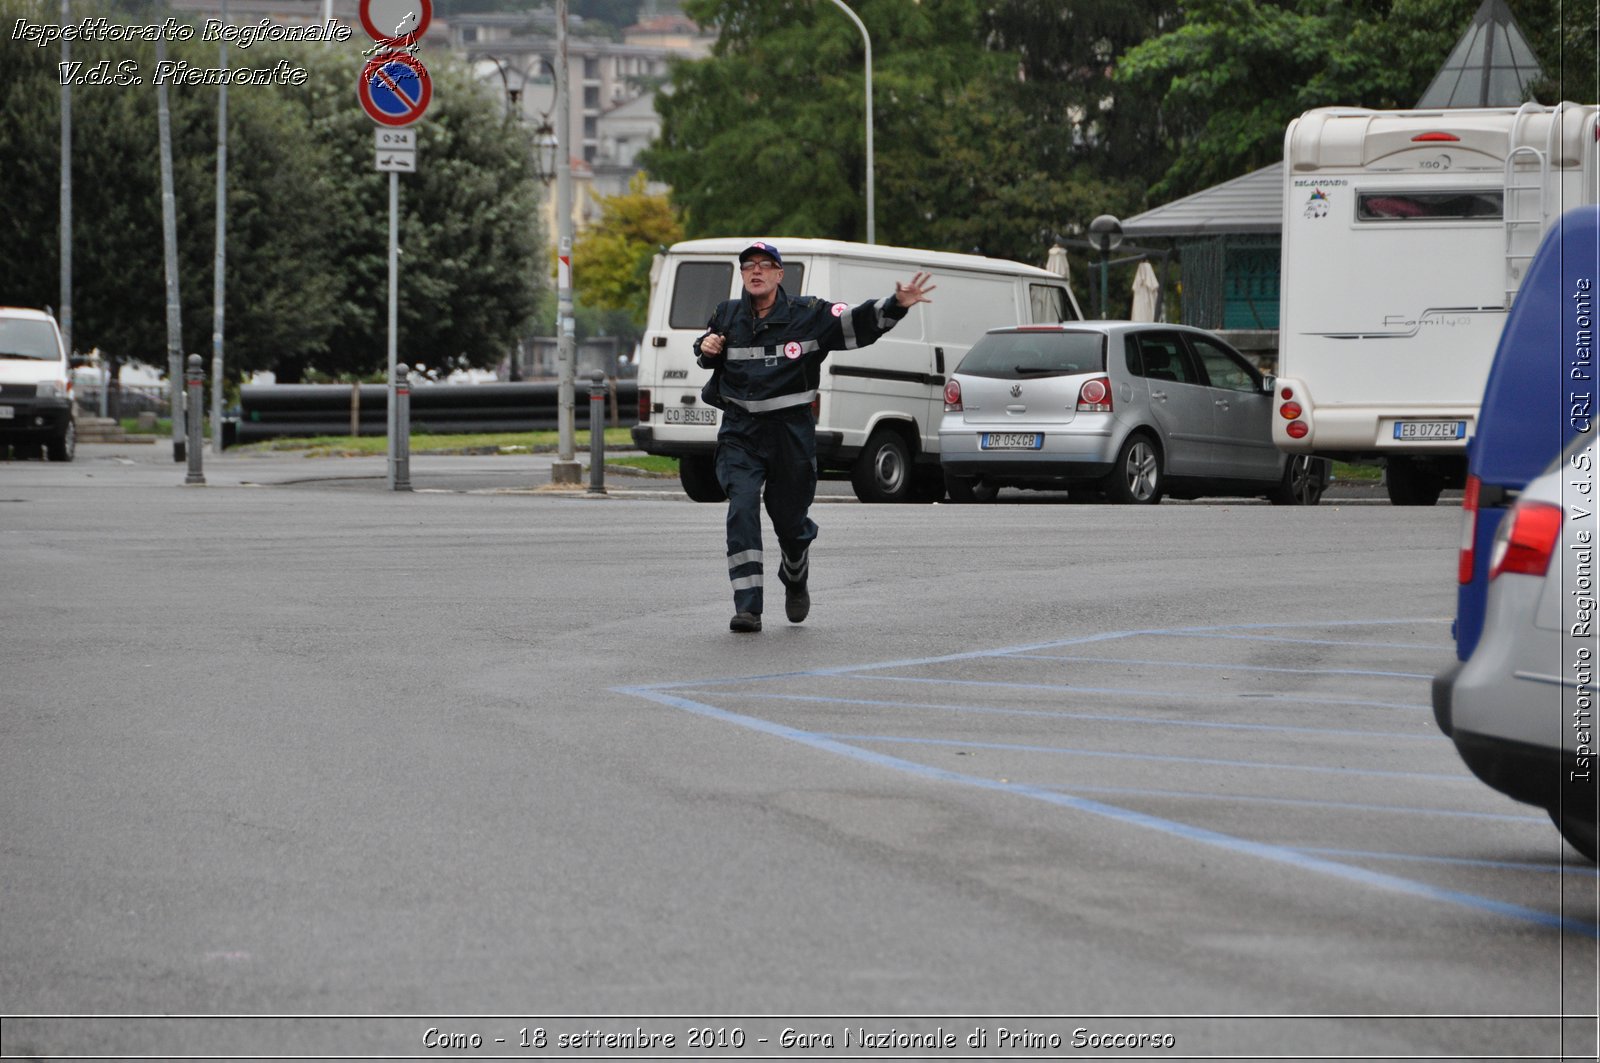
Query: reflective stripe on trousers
column 777, row 453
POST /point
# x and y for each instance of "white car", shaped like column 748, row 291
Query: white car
column 1520, row 710
column 36, row 410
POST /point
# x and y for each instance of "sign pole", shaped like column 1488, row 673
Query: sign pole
column 394, row 317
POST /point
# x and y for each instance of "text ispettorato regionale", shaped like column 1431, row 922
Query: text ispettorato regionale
column 244, row 35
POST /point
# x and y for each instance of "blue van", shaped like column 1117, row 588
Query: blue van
column 1539, row 398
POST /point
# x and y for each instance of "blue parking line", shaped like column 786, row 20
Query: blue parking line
column 1018, row 747
column 1299, row 802
column 1080, row 640
column 1210, row 666
column 1579, row 870
column 1430, row 735
column 1138, row 693
column 1274, row 853
column 1201, row 634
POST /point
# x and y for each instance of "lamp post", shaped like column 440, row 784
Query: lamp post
column 1105, row 232
column 64, row 316
column 872, row 230
column 543, row 144
column 219, row 269
column 565, row 469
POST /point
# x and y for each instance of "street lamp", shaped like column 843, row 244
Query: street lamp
column 1105, row 232
column 544, row 138
column 871, row 224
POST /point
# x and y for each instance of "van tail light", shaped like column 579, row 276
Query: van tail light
column 1290, row 410
column 1469, row 530
column 816, row 407
column 1095, row 396
column 952, row 396
column 644, row 405
column 1526, row 540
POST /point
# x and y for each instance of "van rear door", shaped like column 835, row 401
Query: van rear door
column 1539, row 395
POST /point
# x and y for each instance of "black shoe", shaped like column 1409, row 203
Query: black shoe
column 745, row 623
column 796, row 602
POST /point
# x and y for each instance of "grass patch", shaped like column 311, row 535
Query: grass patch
column 1343, row 471
column 424, row 443
column 653, row 464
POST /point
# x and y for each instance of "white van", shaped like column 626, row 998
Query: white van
column 36, row 407
column 879, row 407
column 1406, row 235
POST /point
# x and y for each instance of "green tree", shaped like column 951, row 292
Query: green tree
column 307, row 214
column 991, row 123
column 278, row 268
column 766, row 136
column 1234, row 74
column 472, row 262
column 613, row 256
column 1066, row 55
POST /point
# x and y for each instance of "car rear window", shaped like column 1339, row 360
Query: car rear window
column 1035, row 354
column 23, row 338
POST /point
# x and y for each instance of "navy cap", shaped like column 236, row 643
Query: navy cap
column 761, row 248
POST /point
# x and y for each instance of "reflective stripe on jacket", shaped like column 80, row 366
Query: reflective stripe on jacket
column 775, row 362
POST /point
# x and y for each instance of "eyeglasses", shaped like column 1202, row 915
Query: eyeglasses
column 761, row 264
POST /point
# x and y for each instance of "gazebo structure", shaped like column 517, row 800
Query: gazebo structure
column 1229, row 237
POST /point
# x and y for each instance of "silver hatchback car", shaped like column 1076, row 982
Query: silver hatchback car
column 1519, row 709
column 1134, row 410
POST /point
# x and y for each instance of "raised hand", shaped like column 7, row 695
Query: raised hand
column 914, row 292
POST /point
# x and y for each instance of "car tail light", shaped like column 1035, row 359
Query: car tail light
column 1286, row 393
column 1297, row 429
column 1469, row 530
column 644, row 404
column 952, row 395
column 816, row 408
column 1290, row 410
column 1526, row 539
column 1095, row 396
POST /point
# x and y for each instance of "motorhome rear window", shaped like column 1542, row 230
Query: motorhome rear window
column 697, row 288
column 1019, row 355
column 1476, row 205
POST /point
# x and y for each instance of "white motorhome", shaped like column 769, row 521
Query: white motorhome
column 878, row 409
column 1405, row 237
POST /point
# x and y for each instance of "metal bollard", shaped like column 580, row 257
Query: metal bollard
column 402, row 428
column 597, row 433
column 195, row 377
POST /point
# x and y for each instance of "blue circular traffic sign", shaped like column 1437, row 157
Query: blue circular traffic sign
column 394, row 88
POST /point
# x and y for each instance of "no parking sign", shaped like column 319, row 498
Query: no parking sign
column 395, row 23
column 394, row 88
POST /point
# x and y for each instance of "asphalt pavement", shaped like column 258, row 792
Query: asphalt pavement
column 291, row 764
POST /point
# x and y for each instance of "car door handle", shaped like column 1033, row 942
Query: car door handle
column 1221, row 402
column 1162, row 395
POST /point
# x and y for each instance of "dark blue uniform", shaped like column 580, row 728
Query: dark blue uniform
column 770, row 370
